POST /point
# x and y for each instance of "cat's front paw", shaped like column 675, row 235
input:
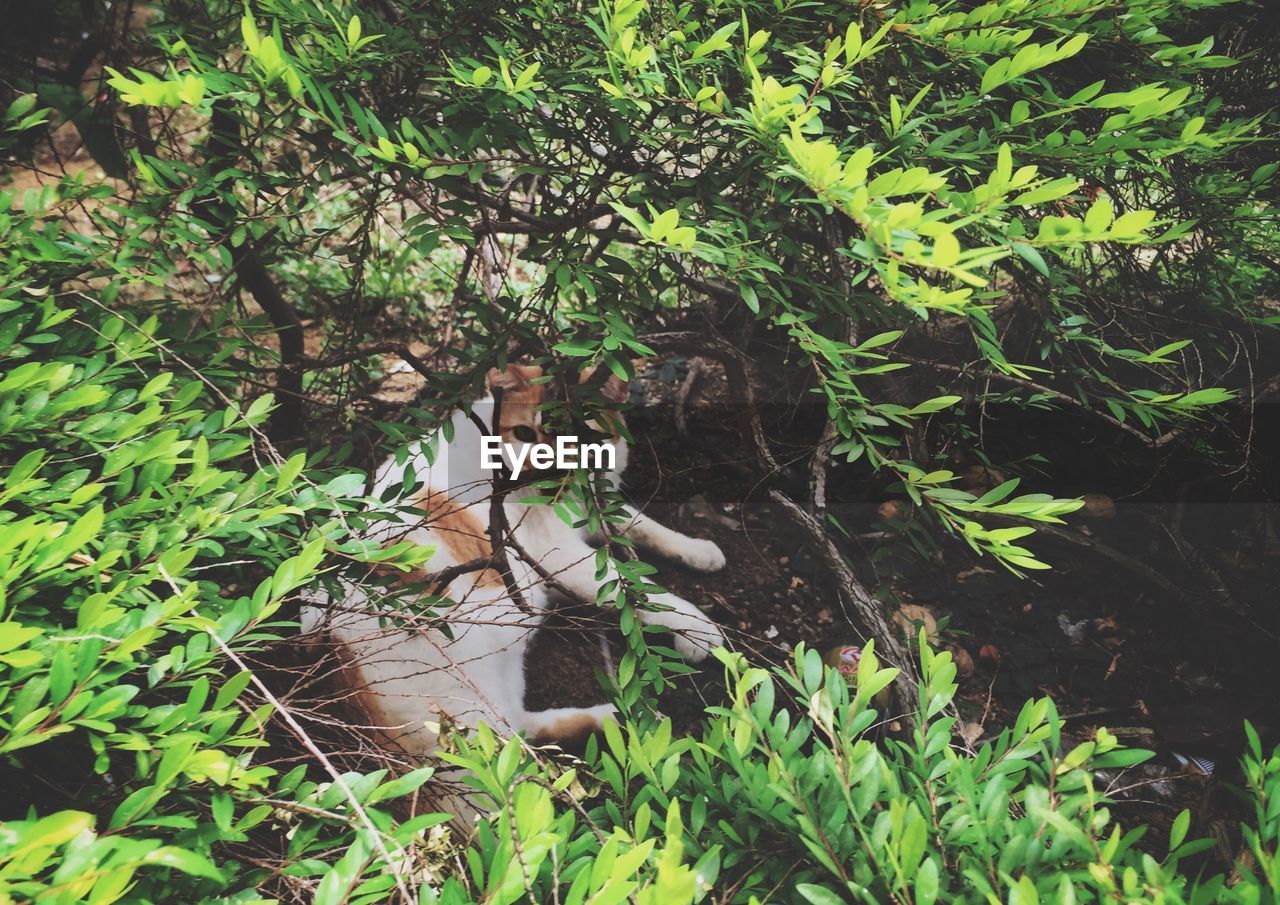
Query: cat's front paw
column 702, row 555
column 695, row 634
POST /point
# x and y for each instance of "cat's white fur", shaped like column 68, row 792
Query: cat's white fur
column 411, row 680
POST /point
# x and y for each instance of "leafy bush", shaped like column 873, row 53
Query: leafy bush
column 131, row 742
column 784, row 796
column 912, row 166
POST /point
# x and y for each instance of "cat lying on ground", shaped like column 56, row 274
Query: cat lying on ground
column 409, row 680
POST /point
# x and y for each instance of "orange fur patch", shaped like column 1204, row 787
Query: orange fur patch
column 460, row 531
column 519, row 407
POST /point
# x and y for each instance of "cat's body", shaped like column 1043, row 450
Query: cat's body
column 410, row 680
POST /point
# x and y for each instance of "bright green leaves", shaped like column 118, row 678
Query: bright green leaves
column 536, row 824
column 1099, row 224
column 915, row 819
column 630, row 53
column 854, row 48
column 735, row 142
column 145, row 89
column 269, row 56
column 774, row 105
column 354, row 36
column 663, row 229
column 1049, row 190
column 1140, row 105
column 946, row 251
column 1099, row 216
column 666, row 230
column 1149, row 407
column 298, row 570
column 1029, row 58
column 818, row 163
column 957, row 509
column 715, row 43
column 23, row 114
column 870, row 680
column 526, row 80
column 1131, row 226
column 902, row 232
column 121, row 483
column 709, row 99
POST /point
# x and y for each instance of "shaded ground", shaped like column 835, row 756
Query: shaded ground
column 1169, row 641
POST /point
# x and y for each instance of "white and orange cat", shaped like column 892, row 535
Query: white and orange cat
column 409, row 680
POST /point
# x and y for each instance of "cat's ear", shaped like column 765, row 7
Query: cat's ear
column 615, row 390
column 504, row 380
column 515, row 377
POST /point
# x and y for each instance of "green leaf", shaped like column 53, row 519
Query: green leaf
column 231, row 689
column 936, row 404
column 997, row 74
column 1132, row 224
column 187, row 861
column 818, row 895
column 880, row 339
column 946, row 251
column 927, row 883
column 576, row 348
column 53, row 831
column 1032, row 256
column 333, row 888
column 14, row 635
column 1178, row 832
column 718, row 41
column 1100, row 215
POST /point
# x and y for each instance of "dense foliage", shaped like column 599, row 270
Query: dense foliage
column 1061, row 194
column 913, row 167
column 798, row 805
column 130, row 496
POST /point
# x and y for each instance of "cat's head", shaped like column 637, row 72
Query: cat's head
column 520, row 418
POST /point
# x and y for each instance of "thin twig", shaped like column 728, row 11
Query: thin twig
column 682, row 395
column 1154, row 442
column 830, row 433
